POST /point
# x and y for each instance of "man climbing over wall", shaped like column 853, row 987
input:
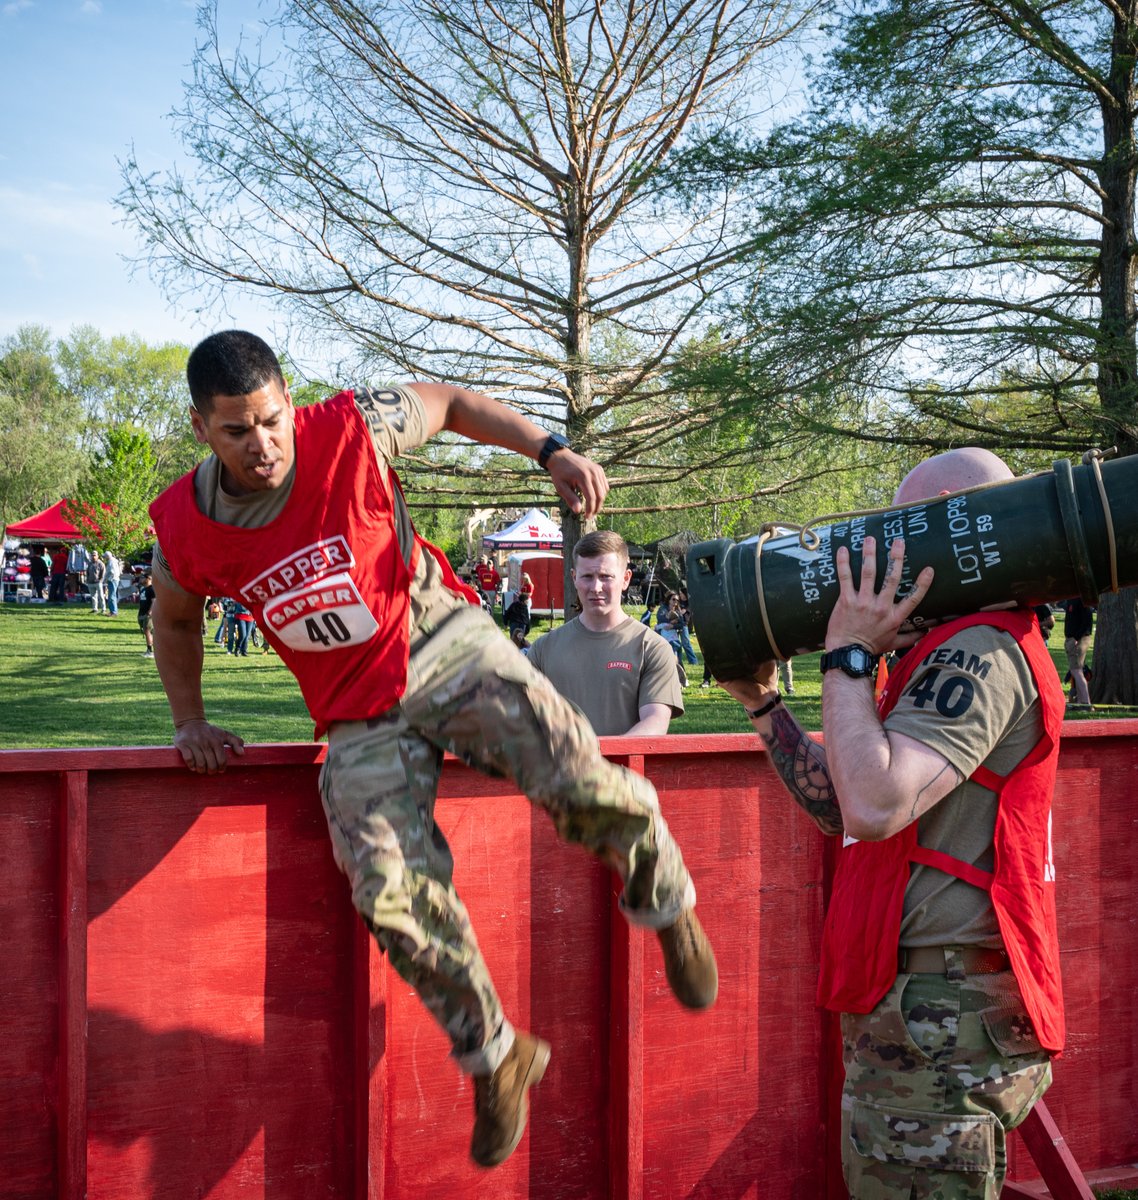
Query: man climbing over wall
column 298, row 514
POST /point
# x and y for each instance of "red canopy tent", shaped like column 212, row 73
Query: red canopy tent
column 47, row 526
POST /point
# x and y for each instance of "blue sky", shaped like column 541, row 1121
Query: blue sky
column 81, row 81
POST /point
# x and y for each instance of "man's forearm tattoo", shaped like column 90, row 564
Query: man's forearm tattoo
column 801, row 764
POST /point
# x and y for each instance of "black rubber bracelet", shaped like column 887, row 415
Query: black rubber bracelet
column 762, row 710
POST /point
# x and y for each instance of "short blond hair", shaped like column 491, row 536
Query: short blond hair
column 601, row 541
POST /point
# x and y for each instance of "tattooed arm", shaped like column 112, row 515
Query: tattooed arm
column 801, row 764
column 798, row 759
column 884, row 779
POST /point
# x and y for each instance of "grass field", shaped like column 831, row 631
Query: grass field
column 71, row 678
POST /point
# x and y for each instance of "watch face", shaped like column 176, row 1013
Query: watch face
column 860, row 659
column 856, row 661
column 553, row 443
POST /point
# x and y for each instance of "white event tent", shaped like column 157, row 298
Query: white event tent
column 532, row 531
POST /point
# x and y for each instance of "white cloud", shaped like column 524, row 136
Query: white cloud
column 55, row 210
column 16, row 6
column 34, row 268
column 91, row 8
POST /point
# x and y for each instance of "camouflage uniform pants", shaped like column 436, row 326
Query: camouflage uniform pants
column 936, row 1075
column 470, row 691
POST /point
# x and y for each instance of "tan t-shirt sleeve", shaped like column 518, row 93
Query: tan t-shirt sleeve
column 659, row 677
column 396, row 418
column 160, row 570
column 966, row 696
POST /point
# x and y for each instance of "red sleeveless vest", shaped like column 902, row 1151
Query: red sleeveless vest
column 326, row 580
column 863, row 921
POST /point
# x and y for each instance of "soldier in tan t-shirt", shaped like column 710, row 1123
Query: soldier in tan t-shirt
column 619, row 673
column 947, row 1061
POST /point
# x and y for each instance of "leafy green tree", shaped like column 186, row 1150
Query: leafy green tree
column 111, row 501
column 124, row 381
column 40, row 456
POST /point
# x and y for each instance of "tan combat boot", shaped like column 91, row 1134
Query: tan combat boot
column 689, row 961
column 500, row 1104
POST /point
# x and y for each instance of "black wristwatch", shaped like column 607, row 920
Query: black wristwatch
column 553, row 443
column 855, row 660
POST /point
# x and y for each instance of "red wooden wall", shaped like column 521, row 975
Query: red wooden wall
column 190, row 1007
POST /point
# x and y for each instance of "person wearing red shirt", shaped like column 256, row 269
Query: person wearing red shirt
column 488, row 580
column 57, row 587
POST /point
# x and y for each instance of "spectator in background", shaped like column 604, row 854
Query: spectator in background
column 488, row 581
column 145, row 602
column 57, row 589
column 1046, row 619
column 223, row 603
column 786, row 671
column 518, row 637
column 620, row 673
column 650, row 585
column 517, row 616
column 525, row 593
column 39, row 569
column 97, row 583
column 240, row 626
column 114, row 574
column 671, row 618
column 77, row 560
column 1078, row 625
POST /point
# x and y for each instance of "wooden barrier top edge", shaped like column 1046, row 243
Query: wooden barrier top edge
column 300, row 754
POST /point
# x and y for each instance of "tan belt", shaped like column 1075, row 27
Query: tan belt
column 930, row 960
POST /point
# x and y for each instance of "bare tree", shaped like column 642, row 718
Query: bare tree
column 470, row 191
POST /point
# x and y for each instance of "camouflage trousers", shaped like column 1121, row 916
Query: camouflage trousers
column 936, row 1075
column 470, row 691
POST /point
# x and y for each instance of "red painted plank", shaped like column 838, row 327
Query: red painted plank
column 361, row 950
column 72, row 1143
column 1056, row 1164
column 31, row 842
column 626, row 1047
column 263, row 754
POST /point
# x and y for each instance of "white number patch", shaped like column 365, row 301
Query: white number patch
column 325, row 615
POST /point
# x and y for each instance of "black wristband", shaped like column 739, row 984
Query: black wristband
column 763, row 709
column 553, row 443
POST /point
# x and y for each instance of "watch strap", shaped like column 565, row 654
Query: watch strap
column 553, row 443
column 840, row 658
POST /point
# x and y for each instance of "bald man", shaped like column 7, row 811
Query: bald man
column 939, row 948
